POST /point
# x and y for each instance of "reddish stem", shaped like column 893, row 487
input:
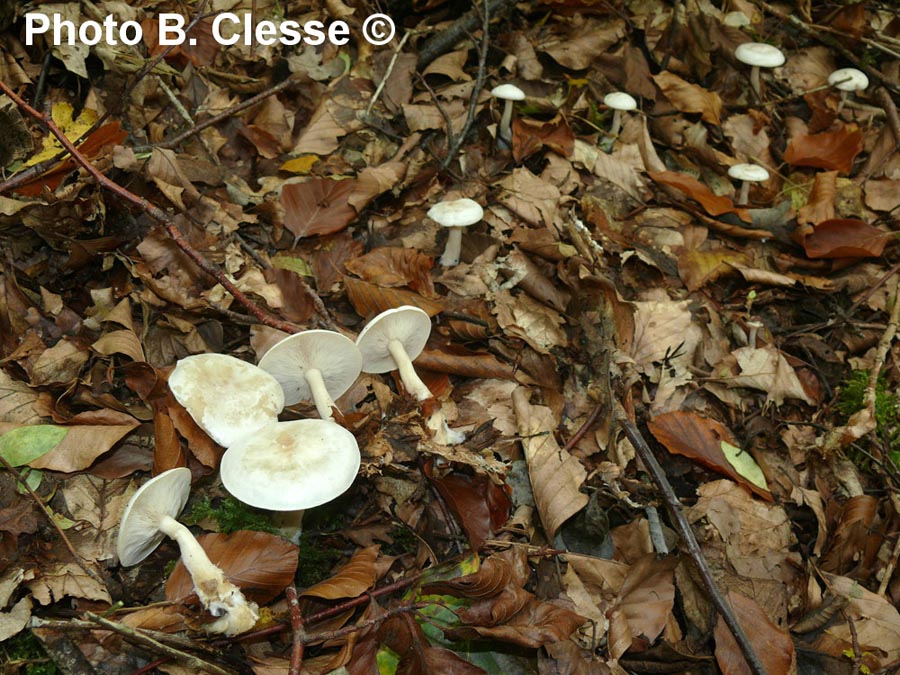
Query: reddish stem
column 298, row 634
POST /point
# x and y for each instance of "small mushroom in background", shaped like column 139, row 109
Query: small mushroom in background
column 290, row 467
column 227, row 398
column 620, row 102
column 748, row 173
column 456, row 215
column 317, row 365
column 758, row 55
column 847, row 81
column 150, row 516
column 507, row 93
column 391, row 341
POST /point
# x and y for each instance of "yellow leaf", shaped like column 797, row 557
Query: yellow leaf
column 73, row 130
column 744, row 464
column 301, row 165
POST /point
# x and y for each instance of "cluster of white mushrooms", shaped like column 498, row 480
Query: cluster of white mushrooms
column 286, row 467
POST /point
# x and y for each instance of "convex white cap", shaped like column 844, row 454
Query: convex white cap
column 759, row 54
column 289, row 466
column 620, row 100
column 749, row 172
column 316, row 365
column 508, row 92
column 848, row 79
column 456, row 213
column 408, row 325
column 228, row 398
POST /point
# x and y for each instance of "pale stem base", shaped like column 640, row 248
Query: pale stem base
column 408, row 375
column 504, row 131
column 616, row 123
column 745, row 193
column 754, row 81
column 452, row 249
column 217, row 595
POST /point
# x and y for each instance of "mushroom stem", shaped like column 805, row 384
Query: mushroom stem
column 408, row 375
column 616, row 123
column 217, row 595
column 322, row 398
column 453, row 247
column 754, row 81
column 843, row 101
column 505, row 131
column 744, row 196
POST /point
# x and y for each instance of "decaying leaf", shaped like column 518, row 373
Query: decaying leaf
column 831, row 150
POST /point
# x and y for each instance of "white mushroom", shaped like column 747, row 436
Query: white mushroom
column 228, row 398
column 748, row 173
column 290, row 467
column 758, row 55
column 391, row 341
column 456, row 215
column 848, row 80
column 507, row 93
column 150, row 516
column 620, row 102
column 317, row 365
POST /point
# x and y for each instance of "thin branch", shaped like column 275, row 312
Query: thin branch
column 583, row 429
column 297, row 631
column 387, row 74
column 62, row 535
column 157, row 214
column 687, row 534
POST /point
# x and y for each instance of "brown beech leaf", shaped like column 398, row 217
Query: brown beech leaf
column 368, row 299
column 456, row 360
column 496, row 573
column 820, row 203
column 773, row 645
column 833, row 150
column 713, row 204
column 854, row 531
column 690, row 98
column 480, row 506
column 260, row 564
column 317, row 206
column 529, row 136
column 843, row 238
column 392, row 266
column 700, row 438
column 496, row 610
column 351, row 580
column 537, row 624
column 167, row 451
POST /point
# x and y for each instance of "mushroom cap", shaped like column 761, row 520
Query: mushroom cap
column 620, row 100
column 848, row 79
column 751, row 172
column 290, row 466
column 228, row 398
column 332, row 354
column 139, row 533
column 456, row 213
column 759, row 54
column 508, row 92
column 409, row 325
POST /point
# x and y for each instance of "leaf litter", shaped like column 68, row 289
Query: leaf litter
column 608, row 270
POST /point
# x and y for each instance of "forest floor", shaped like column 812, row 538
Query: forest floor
column 619, row 300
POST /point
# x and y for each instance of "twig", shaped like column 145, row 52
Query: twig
column 297, row 630
column 157, row 214
column 890, row 110
column 687, row 534
column 62, row 535
column 324, row 636
column 476, row 90
column 177, row 139
column 583, row 429
column 443, row 41
column 895, row 554
column 387, row 74
column 134, row 635
column 854, row 641
column 881, row 351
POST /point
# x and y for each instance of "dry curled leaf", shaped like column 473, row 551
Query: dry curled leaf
column 832, row 150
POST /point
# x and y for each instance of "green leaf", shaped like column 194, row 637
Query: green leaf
column 745, row 465
column 25, row 444
column 296, row 265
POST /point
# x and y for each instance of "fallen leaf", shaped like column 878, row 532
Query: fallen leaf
column 22, row 445
column 351, row 580
column 766, row 369
column 690, row 98
column 318, row 206
column 60, row 364
column 80, row 447
column 556, row 476
column 832, row 150
column 368, row 299
column 529, row 136
column 713, row 204
column 480, row 506
column 843, row 238
column 773, row 645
